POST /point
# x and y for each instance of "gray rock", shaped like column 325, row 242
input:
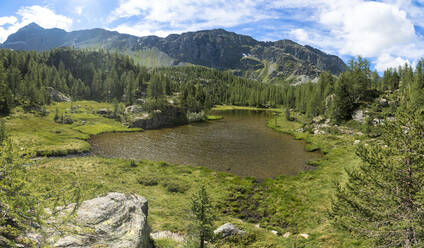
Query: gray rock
column 383, row 102
column 57, row 96
column 133, row 109
column 358, row 115
column 103, row 111
column 68, row 120
column 228, row 229
column 168, row 117
column 115, row 220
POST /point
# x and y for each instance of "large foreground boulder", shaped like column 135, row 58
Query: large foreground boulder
column 115, row 220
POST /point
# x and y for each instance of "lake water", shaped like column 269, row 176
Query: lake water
column 240, row 143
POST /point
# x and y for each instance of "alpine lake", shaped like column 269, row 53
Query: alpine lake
column 240, row 143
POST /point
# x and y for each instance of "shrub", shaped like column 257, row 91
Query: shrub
column 174, row 186
column 163, row 164
column 148, row 180
column 133, row 163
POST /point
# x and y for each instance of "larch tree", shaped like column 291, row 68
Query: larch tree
column 383, row 200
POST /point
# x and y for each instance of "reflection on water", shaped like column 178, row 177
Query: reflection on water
column 240, row 143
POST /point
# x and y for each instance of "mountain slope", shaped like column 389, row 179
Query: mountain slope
column 217, row 48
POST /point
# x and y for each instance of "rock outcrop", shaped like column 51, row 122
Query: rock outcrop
column 169, row 117
column 228, row 229
column 57, row 96
column 115, row 220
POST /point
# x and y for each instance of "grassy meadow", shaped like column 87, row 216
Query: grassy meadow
column 291, row 205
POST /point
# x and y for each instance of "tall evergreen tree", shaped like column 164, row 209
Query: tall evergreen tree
column 204, row 216
column 383, row 200
column 342, row 105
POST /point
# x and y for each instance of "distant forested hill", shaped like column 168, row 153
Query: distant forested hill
column 219, row 49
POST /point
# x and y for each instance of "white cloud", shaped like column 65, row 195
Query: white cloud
column 369, row 28
column 175, row 16
column 300, row 34
column 385, row 61
column 78, row 10
column 7, row 20
column 43, row 16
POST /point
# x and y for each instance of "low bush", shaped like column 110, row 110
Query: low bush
column 148, row 180
column 174, row 186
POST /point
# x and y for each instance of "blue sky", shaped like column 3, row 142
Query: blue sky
column 388, row 32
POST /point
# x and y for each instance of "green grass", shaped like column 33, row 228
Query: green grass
column 214, row 117
column 299, row 204
column 43, row 136
column 168, row 209
column 232, row 107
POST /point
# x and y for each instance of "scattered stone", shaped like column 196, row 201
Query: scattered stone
column 67, row 120
column 383, row 102
column 103, row 111
column 356, row 142
column 228, row 229
column 304, row 235
column 115, row 220
column 274, row 232
column 57, row 96
column 318, row 119
column 287, row 234
column 358, row 115
column 134, row 109
column 167, row 235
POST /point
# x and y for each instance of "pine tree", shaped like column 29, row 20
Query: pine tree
column 3, row 133
column 342, row 105
column 383, row 199
column 17, row 205
column 5, row 94
column 202, row 209
column 287, row 114
column 56, row 115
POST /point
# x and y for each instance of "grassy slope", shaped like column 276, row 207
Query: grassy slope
column 302, row 201
column 167, row 210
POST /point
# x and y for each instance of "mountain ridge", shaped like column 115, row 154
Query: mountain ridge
column 216, row 48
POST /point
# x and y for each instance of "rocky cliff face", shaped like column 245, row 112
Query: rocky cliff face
column 213, row 48
column 115, row 220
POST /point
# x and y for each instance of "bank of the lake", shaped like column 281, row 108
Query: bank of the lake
column 295, row 204
column 42, row 136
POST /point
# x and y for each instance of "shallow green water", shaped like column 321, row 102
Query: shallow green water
column 240, row 143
